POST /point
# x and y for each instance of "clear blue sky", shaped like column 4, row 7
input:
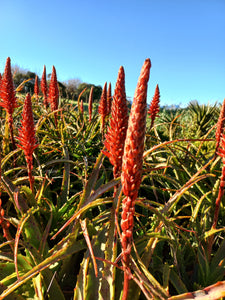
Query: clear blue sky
column 90, row 40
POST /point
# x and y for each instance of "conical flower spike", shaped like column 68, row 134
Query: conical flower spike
column 36, row 87
column 90, row 103
column 7, row 97
column 53, row 93
column 116, row 133
column 102, row 109
column 132, row 166
column 109, row 99
column 27, row 140
column 44, row 87
column 154, row 106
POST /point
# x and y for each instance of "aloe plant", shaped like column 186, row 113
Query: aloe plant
column 61, row 235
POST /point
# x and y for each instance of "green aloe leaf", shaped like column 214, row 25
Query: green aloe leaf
column 69, row 248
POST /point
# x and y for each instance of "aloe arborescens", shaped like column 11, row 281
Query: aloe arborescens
column 116, row 134
column 154, row 106
column 27, row 139
column 102, row 109
column 109, row 99
column 53, row 95
column 36, row 87
column 132, row 166
column 8, row 98
column 44, row 87
column 90, row 100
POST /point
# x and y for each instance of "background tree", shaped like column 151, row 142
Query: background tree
column 74, row 86
column 97, row 91
column 71, row 86
column 20, row 75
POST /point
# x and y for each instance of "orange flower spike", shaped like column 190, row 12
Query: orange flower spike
column 220, row 125
column 116, row 133
column 27, row 139
column 90, row 100
column 53, row 93
column 132, row 166
column 154, row 106
column 109, row 99
column 102, row 109
column 44, row 87
column 8, row 97
column 36, row 87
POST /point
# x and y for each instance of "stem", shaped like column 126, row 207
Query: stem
column 217, row 208
column 29, row 170
column 10, row 121
column 125, row 285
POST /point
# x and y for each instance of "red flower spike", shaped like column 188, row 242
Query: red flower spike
column 154, row 106
column 44, row 87
column 27, row 140
column 116, row 133
column 36, row 87
column 53, row 95
column 90, row 103
column 0, row 79
column 220, row 125
column 109, row 99
column 8, row 97
column 102, row 109
column 132, row 166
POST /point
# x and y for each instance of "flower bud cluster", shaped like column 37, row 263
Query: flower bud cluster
column 154, row 106
column 133, row 158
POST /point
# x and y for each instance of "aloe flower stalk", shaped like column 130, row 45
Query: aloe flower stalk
column 221, row 152
column 102, row 109
column 132, row 166
column 220, row 126
column 154, row 106
column 8, row 97
column 116, row 132
column 82, row 106
column 36, row 87
column 4, row 223
column 27, row 139
column 90, row 100
column 53, row 95
column 109, row 99
column 44, row 87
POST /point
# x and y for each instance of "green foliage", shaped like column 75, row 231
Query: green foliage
column 65, row 241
